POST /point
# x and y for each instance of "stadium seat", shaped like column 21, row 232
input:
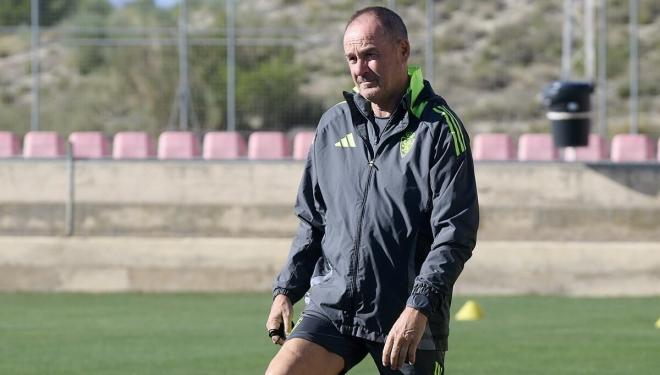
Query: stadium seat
column 596, row 150
column 224, row 145
column 302, row 141
column 536, row 147
column 43, row 144
column 493, row 146
column 177, row 145
column 133, row 145
column 10, row 145
column 89, row 145
column 632, row 148
column 267, row 145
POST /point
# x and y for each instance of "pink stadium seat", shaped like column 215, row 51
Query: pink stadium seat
column 536, row 147
column 43, row 144
column 10, row 145
column 301, row 144
column 177, row 145
column 268, row 145
column 596, row 150
column 632, row 148
column 133, row 145
column 224, row 145
column 90, row 145
column 493, row 146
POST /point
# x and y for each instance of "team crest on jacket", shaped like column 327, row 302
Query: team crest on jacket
column 407, row 142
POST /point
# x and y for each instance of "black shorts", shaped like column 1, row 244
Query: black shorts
column 319, row 330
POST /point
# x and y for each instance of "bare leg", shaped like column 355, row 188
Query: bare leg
column 298, row 356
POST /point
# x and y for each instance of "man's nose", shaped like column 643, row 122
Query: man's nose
column 361, row 67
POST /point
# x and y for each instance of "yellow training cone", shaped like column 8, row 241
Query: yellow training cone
column 470, row 311
column 657, row 324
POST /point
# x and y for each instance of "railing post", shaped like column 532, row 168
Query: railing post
column 71, row 188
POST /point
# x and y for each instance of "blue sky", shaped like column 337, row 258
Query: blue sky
column 162, row 3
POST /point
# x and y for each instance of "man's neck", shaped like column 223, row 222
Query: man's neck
column 389, row 105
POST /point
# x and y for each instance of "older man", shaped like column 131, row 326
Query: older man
column 388, row 217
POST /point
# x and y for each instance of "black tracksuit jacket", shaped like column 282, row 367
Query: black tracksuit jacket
column 384, row 225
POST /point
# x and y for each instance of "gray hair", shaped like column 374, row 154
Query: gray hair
column 392, row 24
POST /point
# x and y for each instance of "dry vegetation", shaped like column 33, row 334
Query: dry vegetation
column 492, row 58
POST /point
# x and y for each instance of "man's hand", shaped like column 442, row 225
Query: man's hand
column 403, row 339
column 280, row 312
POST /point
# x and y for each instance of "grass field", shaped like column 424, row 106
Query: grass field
column 224, row 334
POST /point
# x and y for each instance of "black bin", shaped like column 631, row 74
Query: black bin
column 568, row 105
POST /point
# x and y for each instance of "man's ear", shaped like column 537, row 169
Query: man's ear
column 404, row 48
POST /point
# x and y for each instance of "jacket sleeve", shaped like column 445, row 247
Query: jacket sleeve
column 454, row 217
column 293, row 281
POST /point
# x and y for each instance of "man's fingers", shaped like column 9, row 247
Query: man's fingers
column 278, row 323
column 287, row 312
column 394, row 354
column 399, row 354
column 403, row 355
column 287, row 324
column 412, row 352
column 277, row 340
column 273, row 322
column 386, row 351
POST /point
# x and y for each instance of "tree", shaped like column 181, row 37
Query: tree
column 18, row 12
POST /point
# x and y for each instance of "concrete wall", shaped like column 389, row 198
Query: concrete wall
column 120, row 264
column 519, row 201
column 548, row 228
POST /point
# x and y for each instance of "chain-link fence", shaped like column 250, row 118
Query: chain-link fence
column 152, row 65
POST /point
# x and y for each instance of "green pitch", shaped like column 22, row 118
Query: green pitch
column 224, row 334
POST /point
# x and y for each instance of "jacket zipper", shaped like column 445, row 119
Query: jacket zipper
column 356, row 251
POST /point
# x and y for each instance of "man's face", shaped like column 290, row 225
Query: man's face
column 378, row 63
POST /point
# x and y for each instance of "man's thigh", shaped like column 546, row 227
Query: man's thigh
column 312, row 332
column 299, row 356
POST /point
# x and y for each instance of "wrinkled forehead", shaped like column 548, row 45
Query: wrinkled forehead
column 363, row 32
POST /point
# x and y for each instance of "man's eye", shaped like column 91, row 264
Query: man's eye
column 351, row 59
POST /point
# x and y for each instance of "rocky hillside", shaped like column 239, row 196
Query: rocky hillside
column 492, row 58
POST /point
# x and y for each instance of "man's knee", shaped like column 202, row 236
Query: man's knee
column 289, row 360
column 282, row 364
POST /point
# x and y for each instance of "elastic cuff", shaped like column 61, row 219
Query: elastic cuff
column 424, row 298
column 422, row 303
column 278, row 291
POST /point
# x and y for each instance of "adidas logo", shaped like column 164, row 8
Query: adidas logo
column 346, row 142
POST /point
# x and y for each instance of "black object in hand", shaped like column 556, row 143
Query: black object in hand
column 279, row 331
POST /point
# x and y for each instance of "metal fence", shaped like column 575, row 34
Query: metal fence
column 247, row 65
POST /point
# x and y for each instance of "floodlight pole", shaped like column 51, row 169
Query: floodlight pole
column 634, row 66
column 34, row 111
column 231, row 65
column 391, row 4
column 428, row 51
column 69, row 208
column 589, row 53
column 184, row 89
column 566, row 46
column 602, row 69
